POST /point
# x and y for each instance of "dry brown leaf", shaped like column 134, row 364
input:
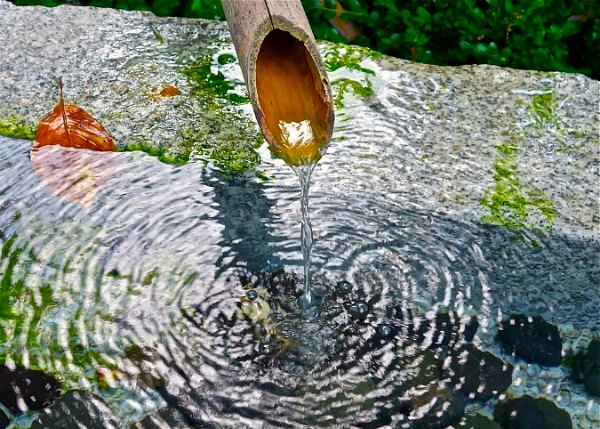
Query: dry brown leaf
column 71, row 126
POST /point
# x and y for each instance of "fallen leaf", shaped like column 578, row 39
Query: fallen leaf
column 71, row 126
column 169, row 91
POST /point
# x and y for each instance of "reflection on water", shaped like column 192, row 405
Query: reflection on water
column 180, row 286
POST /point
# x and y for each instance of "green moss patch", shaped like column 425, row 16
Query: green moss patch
column 341, row 86
column 349, row 57
column 207, row 78
column 224, row 135
column 227, row 140
column 221, row 134
column 12, row 126
column 346, row 65
column 542, row 107
column 168, row 155
column 511, row 203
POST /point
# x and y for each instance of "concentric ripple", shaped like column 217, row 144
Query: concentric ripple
column 170, row 292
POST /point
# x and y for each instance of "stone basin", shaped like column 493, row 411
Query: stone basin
column 469, row 191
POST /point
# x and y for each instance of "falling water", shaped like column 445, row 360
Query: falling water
column 306, row 235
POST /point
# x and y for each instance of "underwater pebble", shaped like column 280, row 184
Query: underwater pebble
column 251, row 294
column 266, row 348
column 479, row 375
column 4, row 422
column 25, row 389
column 76, row 409
column 532, row 339
column 445, row 330
column 476, row 421
column 358, row 309
column 343, row 288
column 526, row 412
column 591, row 368
column 434, row 406
column 384, row 331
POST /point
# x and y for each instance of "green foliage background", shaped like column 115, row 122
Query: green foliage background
column 553, row 35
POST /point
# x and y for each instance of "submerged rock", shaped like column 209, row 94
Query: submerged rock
column 529, row 413
column 532, row 339
column 476, row 421
column 445, row 330
column 4, row 422
column 591, row 368
column 434, row 406
column 479, row 375
column 586, row 368
column 76, row 409
column 25, row 389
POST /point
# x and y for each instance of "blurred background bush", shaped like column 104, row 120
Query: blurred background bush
column 552, row 35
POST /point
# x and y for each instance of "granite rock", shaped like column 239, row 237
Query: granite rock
column 441, row 126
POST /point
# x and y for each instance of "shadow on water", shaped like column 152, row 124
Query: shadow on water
column 245, row 213
column 169, row 298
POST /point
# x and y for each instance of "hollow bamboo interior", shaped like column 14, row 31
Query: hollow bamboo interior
column 285, row 76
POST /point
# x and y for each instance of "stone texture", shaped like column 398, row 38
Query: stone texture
column 532, row 339
column 441, row 126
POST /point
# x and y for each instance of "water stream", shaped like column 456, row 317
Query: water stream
column 306, row 234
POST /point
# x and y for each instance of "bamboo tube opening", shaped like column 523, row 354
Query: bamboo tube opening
column 292, row 98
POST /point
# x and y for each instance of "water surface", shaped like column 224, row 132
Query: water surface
column 183, row 283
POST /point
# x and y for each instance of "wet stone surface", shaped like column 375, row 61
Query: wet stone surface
column 529, row 413
column 532, row 339
column 468, row 139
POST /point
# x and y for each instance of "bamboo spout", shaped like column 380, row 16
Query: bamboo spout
column 285, row 76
